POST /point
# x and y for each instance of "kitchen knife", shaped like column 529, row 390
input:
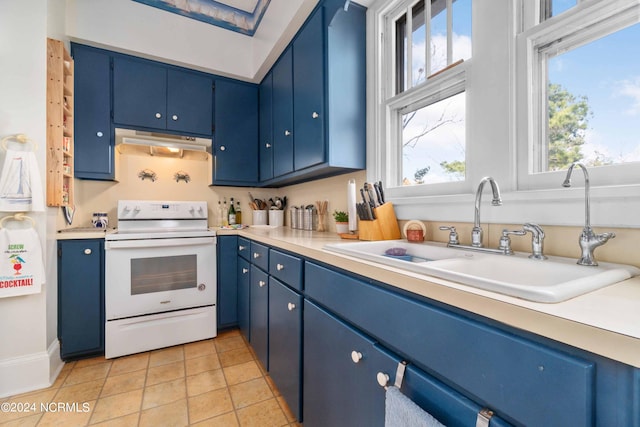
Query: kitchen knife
column 366, row 206
column 376, row 186
column 373, row 200
column 381, row 192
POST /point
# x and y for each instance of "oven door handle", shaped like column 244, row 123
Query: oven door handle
column 158, row 243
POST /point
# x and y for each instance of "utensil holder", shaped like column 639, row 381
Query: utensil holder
column 384, row 227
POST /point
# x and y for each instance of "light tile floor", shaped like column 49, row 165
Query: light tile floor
column 215, row 382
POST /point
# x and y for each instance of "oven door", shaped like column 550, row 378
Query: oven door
column 156, row 275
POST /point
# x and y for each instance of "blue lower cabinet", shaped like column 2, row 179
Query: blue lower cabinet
column 259, row 315
column 285, row 343
column 244, row 286
column 339, row 373
column 81, row 316
column 227, row 268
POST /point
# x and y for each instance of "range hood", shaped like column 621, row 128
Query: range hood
column 129, row 141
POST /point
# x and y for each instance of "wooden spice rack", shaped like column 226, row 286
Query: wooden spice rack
column 59, row 125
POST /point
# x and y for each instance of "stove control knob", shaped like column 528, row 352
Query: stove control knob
column 192, row 211
column 202, row 287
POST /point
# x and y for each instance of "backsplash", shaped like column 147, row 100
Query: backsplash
column 100, row 196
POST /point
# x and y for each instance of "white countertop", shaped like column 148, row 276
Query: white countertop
column 605, row 322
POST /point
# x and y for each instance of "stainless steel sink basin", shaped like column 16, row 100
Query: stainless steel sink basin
column 553, row 280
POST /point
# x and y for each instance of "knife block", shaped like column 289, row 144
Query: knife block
column 384, row 227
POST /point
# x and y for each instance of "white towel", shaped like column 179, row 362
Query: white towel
column 21, row 266
column 400, row 411
column 20, row 185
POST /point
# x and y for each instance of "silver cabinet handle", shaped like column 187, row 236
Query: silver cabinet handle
column 356, row 356
column 242, row 248
column 256, row 255
column 279, row 267
column 222, row 148
column 87, row 251
column 261, row 283
column 383, row 379
column 174, row 117
column 287, row 133
column 245, row 270
column 315, row 115
column 291, row 306
column 99, row 134
column 158, row 116
column 267, row 145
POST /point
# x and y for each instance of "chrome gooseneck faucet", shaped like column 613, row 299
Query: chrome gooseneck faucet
column 589, row 241
column 476, row 233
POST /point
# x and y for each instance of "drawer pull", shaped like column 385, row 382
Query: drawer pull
column 256, row 255
column 261, row 283
column 315, row 115
column 245, row 270
column 158, row 116
column 279, row 267
column 383, row 379
column 242, row 248
column 356, row 356
column 87, row 251
column 291, row 306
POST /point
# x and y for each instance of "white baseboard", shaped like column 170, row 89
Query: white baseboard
column 30, row 372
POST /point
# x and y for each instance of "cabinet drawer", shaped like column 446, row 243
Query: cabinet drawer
column 260, row 256
column 244, row 248
column 498, row 368
column 287, row 268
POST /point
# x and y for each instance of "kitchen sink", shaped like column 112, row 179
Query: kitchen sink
column 553, row 280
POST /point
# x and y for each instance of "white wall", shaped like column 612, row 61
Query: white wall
column 131, row 27
column 25, row 336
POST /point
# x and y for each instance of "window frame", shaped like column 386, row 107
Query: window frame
column 600, row 18
column 611, row 205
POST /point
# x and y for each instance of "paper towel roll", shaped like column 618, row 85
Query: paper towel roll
column 351, row 205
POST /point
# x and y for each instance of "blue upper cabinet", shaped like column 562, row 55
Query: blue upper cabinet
column 266, row 128
column 283, row 134
column 308, row 94
column 94, row 142
column 235, row 141
column 159, row 97
column 320, row 84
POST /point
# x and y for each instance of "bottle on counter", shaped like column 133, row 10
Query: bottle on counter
column 225, row 218
column 232, row 213
column 238, row 213
column 220, row 214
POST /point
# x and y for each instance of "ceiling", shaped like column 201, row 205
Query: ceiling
column 243, row 16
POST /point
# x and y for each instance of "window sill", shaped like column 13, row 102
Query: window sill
column 611, row 206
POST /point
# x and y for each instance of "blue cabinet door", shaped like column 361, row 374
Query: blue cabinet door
column 244, row 287
column 266, row 128
column 227, row 263
column 236, row 133
column 285, row 343
column 189, row 102
column 139, row 93
column 80, row 297
column 308, row 94
column 94, row 139
column 283, row 134
column 339, row 373
column 259, row 315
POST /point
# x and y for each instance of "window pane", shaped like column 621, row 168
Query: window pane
column 461, row 30
column 433, row 139
column 418, row 40
column 559, row 6
column 593, row 103
column 438, row 35
column 401, row 54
